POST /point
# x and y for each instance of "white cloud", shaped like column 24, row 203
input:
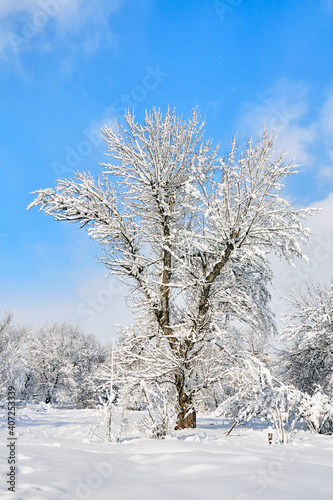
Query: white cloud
column 326, row 129
column 24, row 22
column 306, row 134
column 326, row 173
column 326, row 115
column 282, row 107
column 8, row 7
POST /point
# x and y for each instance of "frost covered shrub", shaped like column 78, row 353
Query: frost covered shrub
column 308, row 360
column 139, row 383
column 160, row 417
column 259, row 395
column 106, row 428
column 318, row 412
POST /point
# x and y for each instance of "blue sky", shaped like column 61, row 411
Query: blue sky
column 68, row 66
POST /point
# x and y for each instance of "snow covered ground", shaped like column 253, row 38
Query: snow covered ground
column 57, row 461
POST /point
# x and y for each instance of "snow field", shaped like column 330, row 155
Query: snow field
column 56, row 461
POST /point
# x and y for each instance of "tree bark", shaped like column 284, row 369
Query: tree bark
column 186, row 418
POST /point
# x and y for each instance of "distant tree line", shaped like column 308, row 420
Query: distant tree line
column 51, row 364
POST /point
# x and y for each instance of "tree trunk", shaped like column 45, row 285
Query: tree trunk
column 187, row 418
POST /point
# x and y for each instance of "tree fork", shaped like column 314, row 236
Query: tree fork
column 204, row 302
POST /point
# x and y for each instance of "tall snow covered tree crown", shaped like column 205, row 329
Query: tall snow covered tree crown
column 188, row 230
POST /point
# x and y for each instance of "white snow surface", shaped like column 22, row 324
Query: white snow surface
column 56, row 461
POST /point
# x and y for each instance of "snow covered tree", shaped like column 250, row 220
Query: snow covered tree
column 6, row 345
column 308, row 359
column 189, row 231
column 58, row 360
column 12, row 370
column 6, row 348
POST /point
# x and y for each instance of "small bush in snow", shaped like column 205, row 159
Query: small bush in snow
column 259, row 395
